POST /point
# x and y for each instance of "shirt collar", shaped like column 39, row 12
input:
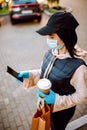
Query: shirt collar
column 60, row 56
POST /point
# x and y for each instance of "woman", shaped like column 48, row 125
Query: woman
column 63, row 66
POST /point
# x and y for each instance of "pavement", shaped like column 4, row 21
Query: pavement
column 17, row 105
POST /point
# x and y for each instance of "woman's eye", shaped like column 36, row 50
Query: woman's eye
column 52, row 37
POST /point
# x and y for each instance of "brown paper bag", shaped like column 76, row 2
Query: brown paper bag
column 41, row 119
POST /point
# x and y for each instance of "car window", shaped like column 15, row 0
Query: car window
column 24, row 1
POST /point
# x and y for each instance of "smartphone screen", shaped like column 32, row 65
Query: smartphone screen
column 14, row 73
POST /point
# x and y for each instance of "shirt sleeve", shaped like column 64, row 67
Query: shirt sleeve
column 79, row 81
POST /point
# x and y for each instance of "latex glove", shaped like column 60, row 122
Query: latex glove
column 23, row 74
column 48, row 98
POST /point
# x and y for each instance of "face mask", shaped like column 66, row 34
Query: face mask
column 53, row 44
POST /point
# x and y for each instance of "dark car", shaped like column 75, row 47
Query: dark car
column 24, row 9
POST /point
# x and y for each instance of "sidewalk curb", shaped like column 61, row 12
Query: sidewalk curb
column 67, row 9
column 4, row 14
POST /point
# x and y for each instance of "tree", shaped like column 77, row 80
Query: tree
column 53, row 3
column 1, row 2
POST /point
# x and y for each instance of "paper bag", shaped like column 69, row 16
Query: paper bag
column 41, row 119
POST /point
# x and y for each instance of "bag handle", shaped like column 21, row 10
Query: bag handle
column 40, row 104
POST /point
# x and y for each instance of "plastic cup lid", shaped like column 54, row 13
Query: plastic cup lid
column 44, row 84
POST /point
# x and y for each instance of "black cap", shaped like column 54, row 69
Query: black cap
column 58, row 21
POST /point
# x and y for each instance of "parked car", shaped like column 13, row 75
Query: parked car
column 24, row 9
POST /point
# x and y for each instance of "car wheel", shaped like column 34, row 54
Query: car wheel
column 39, row 19
column 13, row 21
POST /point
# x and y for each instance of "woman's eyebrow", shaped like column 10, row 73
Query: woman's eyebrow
column 51, row 34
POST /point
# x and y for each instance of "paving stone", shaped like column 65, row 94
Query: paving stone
column 8, row 108
column 1, row 98
column 13, row 105
column 7, row 129
column 13, row 125
column 20, row 108
column 15, row 112
column 2, row 105
column 0, row 118
column 6, row 100
column 3, row 113
column 29, row 118
column 22, row 116
column 18, row 121
column 24, row 105
column 10, row 117
column 1, row 126
column 6, row 123
column 20, row 128
column 27, row 114
column 26, row 125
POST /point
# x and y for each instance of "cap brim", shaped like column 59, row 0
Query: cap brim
column 46, row 30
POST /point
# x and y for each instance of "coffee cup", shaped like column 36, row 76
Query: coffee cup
column 44, row 85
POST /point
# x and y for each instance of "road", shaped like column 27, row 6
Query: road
column 22, row 49
column 24, row 46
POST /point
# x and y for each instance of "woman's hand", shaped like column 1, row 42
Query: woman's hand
column 28, row 80
column 48, row 98
column 23, row 74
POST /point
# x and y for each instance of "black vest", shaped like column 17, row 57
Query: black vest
column 61, row 73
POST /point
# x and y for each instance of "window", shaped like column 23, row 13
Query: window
column 24, row 1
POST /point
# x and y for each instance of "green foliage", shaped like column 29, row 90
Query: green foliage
column 50, row 10
column 4, row 10
column 52, row 1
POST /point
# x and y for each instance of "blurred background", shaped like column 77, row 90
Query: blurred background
column 23, row 49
